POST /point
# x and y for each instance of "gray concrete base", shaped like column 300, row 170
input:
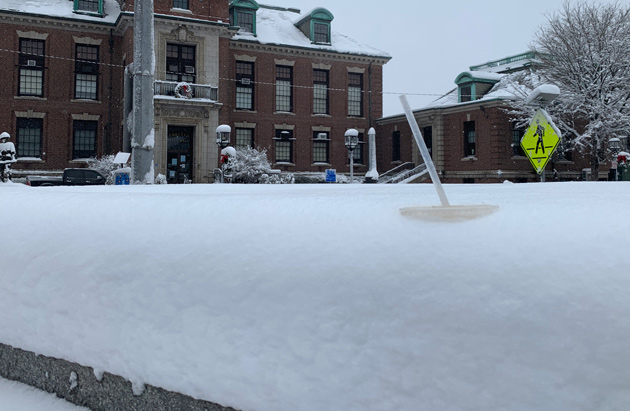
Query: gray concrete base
column 78, row 385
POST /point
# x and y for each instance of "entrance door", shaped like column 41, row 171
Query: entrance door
column 179, row 156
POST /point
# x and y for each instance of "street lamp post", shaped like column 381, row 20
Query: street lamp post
column 352, row 140
column 223, row 140
column 614, row 143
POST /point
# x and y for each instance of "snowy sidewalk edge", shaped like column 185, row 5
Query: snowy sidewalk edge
column 78, row 384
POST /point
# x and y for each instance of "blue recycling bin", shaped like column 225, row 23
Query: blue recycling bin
column 122, row 177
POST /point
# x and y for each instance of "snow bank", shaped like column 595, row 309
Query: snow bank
column 314, row 297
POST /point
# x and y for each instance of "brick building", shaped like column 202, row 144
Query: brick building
column 283, row 80
column 299, row 86
column 470, row 136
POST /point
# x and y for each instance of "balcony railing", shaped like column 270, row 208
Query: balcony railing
column 199, row 91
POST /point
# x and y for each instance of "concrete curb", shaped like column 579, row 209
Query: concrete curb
column 78, row 385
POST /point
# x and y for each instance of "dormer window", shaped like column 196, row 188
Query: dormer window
column 243, row 15
column 89, row 6
column 473, row 85
column 321, row 32
column 316, row 26
column 465, row 93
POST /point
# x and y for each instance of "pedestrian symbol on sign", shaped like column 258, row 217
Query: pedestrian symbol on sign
column 540, row 132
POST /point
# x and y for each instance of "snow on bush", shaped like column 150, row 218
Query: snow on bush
column 251, row 166
column 104, row 165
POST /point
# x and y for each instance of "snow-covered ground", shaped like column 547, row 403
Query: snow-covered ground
column 323, row 297
column 15, row 396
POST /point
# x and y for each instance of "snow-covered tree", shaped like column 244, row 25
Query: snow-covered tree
column 249, row 165
column 584, row 50
column 104, row 165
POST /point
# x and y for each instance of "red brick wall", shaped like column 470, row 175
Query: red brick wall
column 58, row 102
column 212, row 10
column 302, row 117
column 494, row 160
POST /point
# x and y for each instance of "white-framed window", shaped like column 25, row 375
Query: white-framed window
column 31, row 67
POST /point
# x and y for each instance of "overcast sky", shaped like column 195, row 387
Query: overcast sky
column 431, row 42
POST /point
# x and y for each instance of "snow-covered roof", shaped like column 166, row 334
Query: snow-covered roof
column 510, row 63
column 479, row 75
column 277, row 26
column 61, row 8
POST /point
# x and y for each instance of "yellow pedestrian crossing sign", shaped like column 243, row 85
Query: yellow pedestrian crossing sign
column 540, row 140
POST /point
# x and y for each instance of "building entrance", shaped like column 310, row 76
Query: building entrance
column 179, row 156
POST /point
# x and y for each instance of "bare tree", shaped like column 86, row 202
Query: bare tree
column 585, row 50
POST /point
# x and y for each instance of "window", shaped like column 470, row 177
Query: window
column 244, row 85
column 29, row 137
column 84, row 144
column 358, row 152
column 396, row 146
column 517, row 135
column 470, row 143
column 355, row 95
column 284, row 146
column 321, row 145
column 180, row 4
column 86, row 72
column 320, row 91
column 321, row 32
column 244, row 138
column 465, row 93
column 180, row 63
column 245, row 20
column 427, row 135
column 243, row 15
column 31, row 62
column 284, row 88
column 89, row 6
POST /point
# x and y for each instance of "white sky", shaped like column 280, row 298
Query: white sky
column 432, row 42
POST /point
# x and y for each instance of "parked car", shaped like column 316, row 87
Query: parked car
column 71, row 177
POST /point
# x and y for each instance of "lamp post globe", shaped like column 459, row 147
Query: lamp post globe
column 223, row 135
column 351, row 140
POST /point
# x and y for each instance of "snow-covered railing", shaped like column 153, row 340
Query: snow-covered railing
column 512, row 59
column 201, row 91
column 387, row 176
column 421, row 169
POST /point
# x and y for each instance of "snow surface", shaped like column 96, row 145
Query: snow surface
column 61, row 8
column 15, row 396
column 278, row 27
column 323, row 297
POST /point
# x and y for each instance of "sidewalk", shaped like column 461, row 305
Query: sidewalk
column 15, row 396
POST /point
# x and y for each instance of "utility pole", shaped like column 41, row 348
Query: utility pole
column 143, row 137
